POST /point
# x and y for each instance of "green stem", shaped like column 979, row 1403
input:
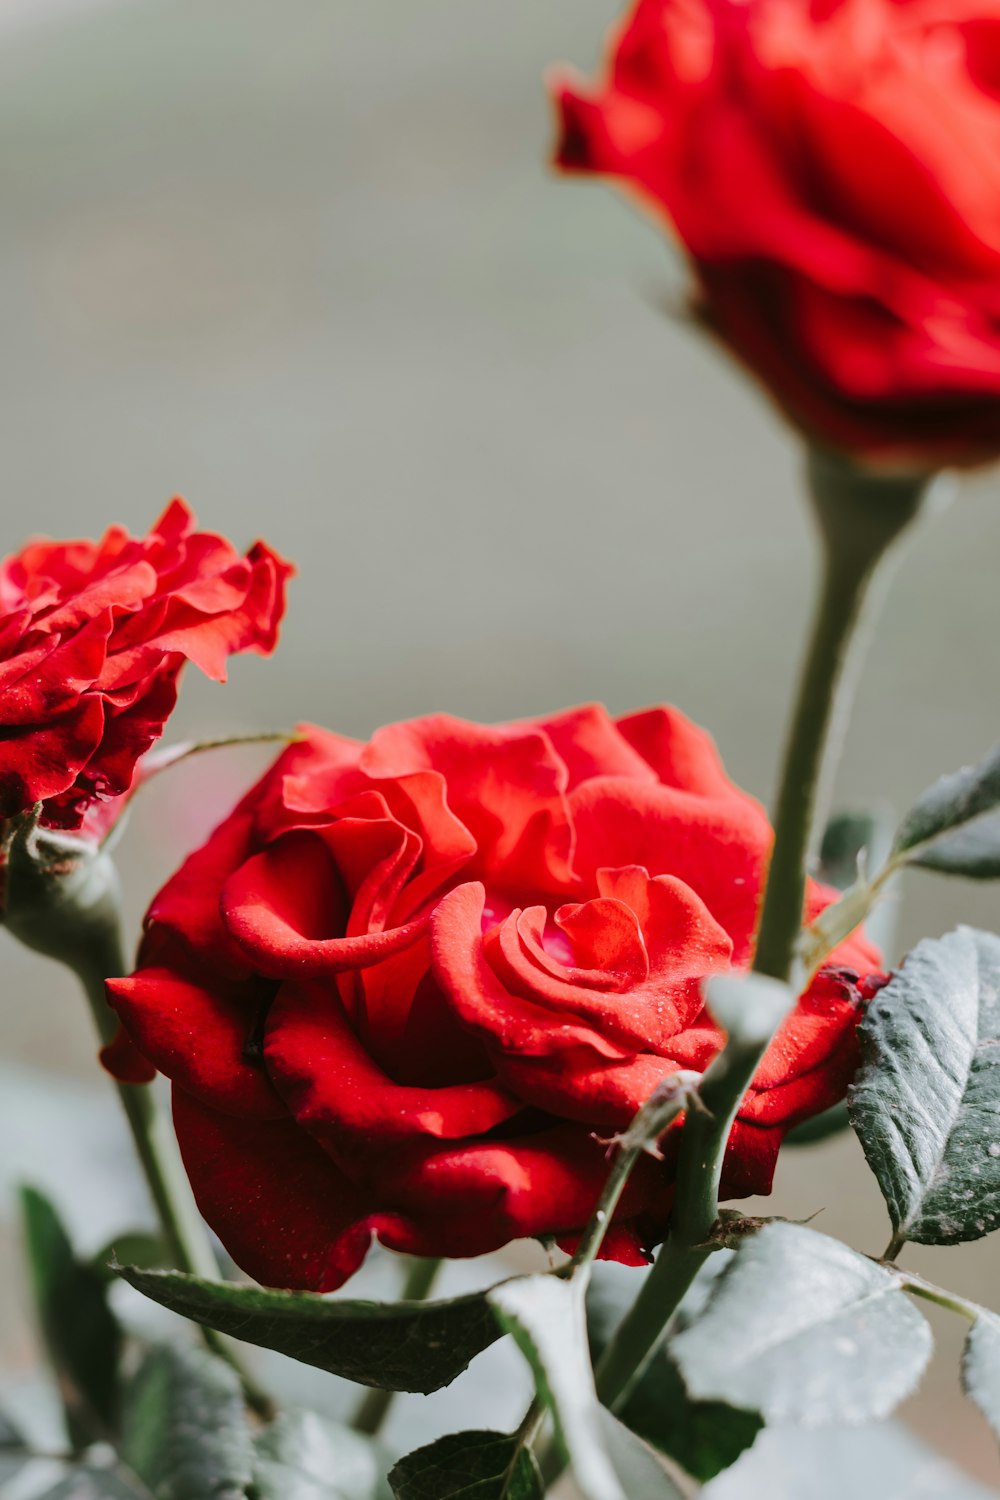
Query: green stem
column 180, row 1223
column 860, row 516
column 420, row 1278
column 696, row 1208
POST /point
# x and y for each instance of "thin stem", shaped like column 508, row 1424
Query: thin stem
column 374, row 1408
column 180, row 1222
column 673, row 1096
column 860, row 516
column 894, row 1246
column 918, row 1287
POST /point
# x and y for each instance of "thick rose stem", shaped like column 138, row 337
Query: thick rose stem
column 860, row 515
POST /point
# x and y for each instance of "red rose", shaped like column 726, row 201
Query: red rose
column 833, row 170
column 406, row 986
column 93, row 636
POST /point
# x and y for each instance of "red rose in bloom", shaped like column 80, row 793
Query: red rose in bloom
column 833, row 169
column 404, row 986
column 93, row 636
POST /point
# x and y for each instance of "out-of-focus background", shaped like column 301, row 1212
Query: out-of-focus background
column 305, row 263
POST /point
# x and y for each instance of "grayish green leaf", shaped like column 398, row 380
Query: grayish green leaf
column 953, row 802
column 184, row 1430
column 640, row 1472
column 704, row 1437
column 972, row 851
column 91, row 1483
column 546, row 1317
column 881, row 1462
column 981, row 1366
column 11, row 1438
column 926, row 1102
column 81, row 1334
column 832, row 1121
column 468, row 1466
column 399, row 1346
column 804, row 1330
column 303, row 1456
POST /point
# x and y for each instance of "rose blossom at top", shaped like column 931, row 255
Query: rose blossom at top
column 409, row 988
column 93, row 637
column 833, row 170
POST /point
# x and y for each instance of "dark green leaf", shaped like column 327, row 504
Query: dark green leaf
column 926, row 1103
column 184, row 1431
column 468, row 1466
column 135, row 1248
column 848, row 837
column 91, row 1483
column 804, row 1330
column 11, row 1438
column 881, row 1462
column 972, row 851
column 546, row 1317
column 951, row 803
column 831, row 1122
column 399, row 1346
column 704, row 1437
column 981, row 1367
column 303, row 1456
column 81, row 1334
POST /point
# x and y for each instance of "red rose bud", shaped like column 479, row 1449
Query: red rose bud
column 93, row 638
column 833, row 171
column 409, row 988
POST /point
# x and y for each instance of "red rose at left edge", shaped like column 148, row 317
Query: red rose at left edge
column 93, row 639
column 407, row 985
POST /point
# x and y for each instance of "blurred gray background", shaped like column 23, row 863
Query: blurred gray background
column 305, row 263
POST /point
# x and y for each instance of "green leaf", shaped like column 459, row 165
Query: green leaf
column 926, row 1102
column 972, row 851
column 81, row 1334
column 954, row 803
column 546, row 1317
column 398, row 1346
column 822, row 1127
column 981, row 1366
column 12, row 1439
column 704, row 1437
column 303, row 1456
column 640, row 1472
column 91, row 1483
column 134, row 1248
column 849, row 837
column 468, row 1466
column 881, row 1462
column 804, row 1330
column 184, row 1431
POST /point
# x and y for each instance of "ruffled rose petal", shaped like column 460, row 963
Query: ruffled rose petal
column 284, row 908
column 200, row 1038
column 338, row 1093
